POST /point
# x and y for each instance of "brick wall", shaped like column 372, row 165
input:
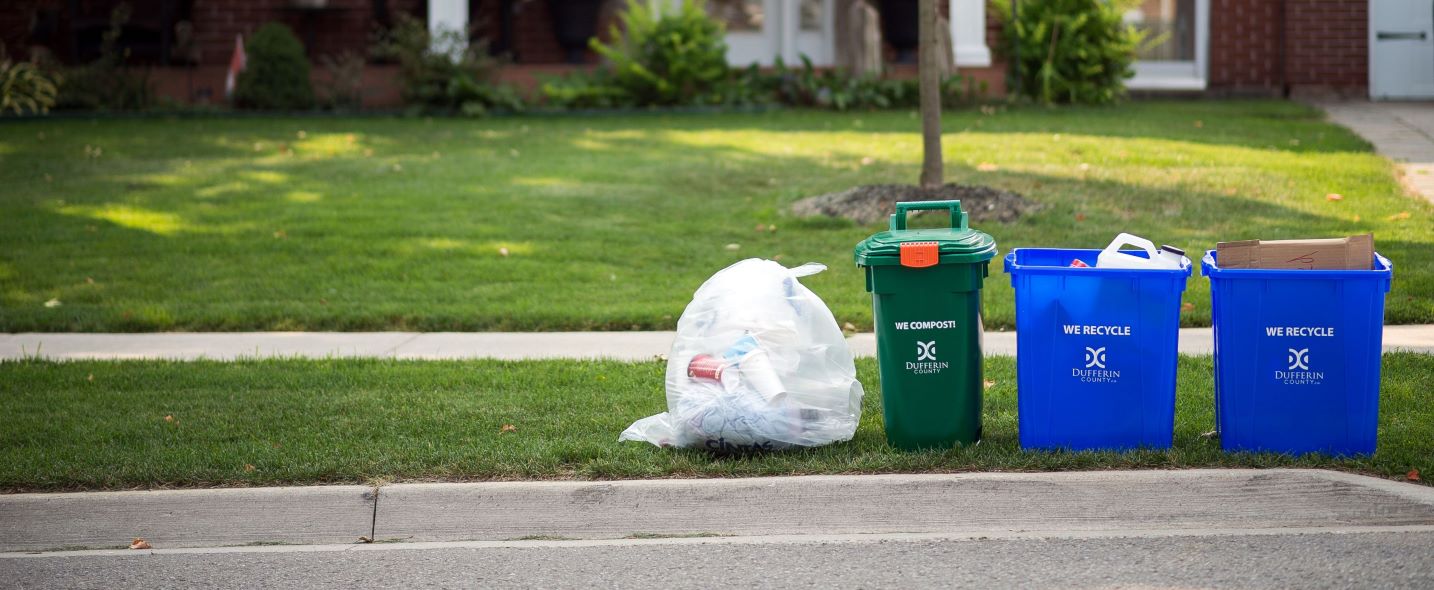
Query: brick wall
column 342, row 26
column 1327, row 43
column 1245, row 44
column 1271, row 45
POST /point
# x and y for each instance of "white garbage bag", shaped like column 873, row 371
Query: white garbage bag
column 758, row 364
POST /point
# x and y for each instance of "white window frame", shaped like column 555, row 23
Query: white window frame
column 968, row 34
column 1179, row 75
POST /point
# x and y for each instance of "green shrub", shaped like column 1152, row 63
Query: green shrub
column 276, row 76
column 1070, row 51
column 25, row 87
column 837, row 89
column 107, row 83
column 585, row 90
column 462, row 78
column 667, row 57
column 344, row 89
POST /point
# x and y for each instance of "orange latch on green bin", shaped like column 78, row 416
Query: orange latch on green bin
column 920, row 254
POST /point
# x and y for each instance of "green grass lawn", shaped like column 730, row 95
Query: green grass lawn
column 612, row 222
column 140, row 424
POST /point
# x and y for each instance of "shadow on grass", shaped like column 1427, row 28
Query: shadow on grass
column 606, row 224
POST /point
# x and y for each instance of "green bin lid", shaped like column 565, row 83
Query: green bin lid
column 957, row 244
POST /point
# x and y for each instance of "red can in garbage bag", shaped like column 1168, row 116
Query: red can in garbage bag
column 706, row 366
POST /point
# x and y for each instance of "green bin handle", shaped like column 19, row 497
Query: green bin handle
column 958, row 217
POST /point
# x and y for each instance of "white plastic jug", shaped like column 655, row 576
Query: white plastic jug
column 1165, row 257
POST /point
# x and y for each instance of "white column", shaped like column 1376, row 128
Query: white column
column 448, row 15
column 788, row 21
column 968, row 33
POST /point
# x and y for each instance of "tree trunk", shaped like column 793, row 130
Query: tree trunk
column 930, row 65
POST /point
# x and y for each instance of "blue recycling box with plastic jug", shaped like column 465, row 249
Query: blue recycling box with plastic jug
column 1297, row 357
column 1095, row 350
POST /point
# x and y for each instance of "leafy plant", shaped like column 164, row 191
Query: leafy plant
column 345, row 85
column 445, row 71
column 1070, row 51
column 107, row 83
column 585, row 90
column 667, row 57
column 840, row 90
column 25, row 87
column 277, row 74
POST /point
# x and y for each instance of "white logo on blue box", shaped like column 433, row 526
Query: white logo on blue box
column 1095, row 370
column 1299, row 359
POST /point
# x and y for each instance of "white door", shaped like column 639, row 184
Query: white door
column 760, row 31
column 754, row 31
column 813, row 25
column 1401, row 49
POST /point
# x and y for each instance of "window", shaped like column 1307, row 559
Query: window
column 1173, row 54
column 738, row 15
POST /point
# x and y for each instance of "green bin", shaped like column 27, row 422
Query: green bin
column 926, row 297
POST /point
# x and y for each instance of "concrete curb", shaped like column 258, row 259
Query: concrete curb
column 627, row 346
column 1128, row 502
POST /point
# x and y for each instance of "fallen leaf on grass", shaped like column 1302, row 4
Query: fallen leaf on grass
column 1229, row 192
column 503, row 251
column 90, row 377
column 1211, row 434
column 1199, row 123
column 1400, row 216
column 89, row 280
column 867, row 161
column 1334, row 197
column 848, row 327
column 280, row 234
column 733, row 247
column 987, row 167
column 1080, row 217
column 302, row 134
column 989, row 384
column 507, row 428
column 52, row 303
column 139, row 543
column 1413, row 475
column 169, row 418
column 1187, row 306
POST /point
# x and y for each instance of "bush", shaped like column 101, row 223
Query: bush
column 668, row 57
column 277, row 73
column 446, row 72
column 107, row 83
column 583, row 90
column 837, row 89
column 344, row 89
column 25, row 87
column 1070, row 51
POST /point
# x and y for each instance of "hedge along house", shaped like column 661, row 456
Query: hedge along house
column 1375, row 48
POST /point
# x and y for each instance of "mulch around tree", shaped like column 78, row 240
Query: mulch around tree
column 871, row 203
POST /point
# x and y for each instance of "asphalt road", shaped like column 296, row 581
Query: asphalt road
column 1313, row 560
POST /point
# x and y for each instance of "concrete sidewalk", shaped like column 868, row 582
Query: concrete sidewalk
column 1400, row 131
column 1071, row 504
column 470, row 345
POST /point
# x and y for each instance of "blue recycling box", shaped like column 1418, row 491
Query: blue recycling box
column 1297, row 357
column 1095, row 350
